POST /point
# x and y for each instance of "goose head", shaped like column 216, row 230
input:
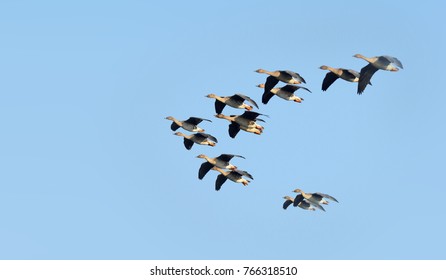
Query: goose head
column 211, row 95
column 201, row 156
column 260, row 71
column 261, row 85
column 170, row 118
column 324, row 67
column 297, row 191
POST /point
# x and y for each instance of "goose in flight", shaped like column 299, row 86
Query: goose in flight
column 198, row 138
column 222, row 161
column 191, row 124
column 236, row 101
column 383, row 62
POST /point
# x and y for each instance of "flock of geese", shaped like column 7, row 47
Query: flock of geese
column 248, row 121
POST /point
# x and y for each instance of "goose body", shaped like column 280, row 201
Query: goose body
column 222, row 161
column 314, row 198
column 286, row 92
column 233, row 175
column 302, row 204
column 191, row 124
column 236, row 101
column 335, row 73
column 198, row 138
column 383, row 62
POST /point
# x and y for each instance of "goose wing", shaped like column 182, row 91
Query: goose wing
column 267, row 95
column 365, row 76
column 219, row 106
column 327, row 196
column 293, row 88
column 204, row 169
column 221, row 179
column 228, row 157
column 195, row 120
column 394, row 60
column 243, row 173
column 317, row 205
column 207, row 136
column 287, row 203
column 244, row 97
column 295, row 76
column 329, row 79
column 174, row 126
column 234, row 128
column 270, row 83
column 298, row 199
column 188, row 143
column 250, row 115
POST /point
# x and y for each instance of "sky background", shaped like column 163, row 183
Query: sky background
column 89, row 168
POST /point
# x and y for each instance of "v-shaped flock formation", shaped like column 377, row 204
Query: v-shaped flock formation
column 248, row 121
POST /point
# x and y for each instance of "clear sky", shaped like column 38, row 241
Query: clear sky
column 89, row 168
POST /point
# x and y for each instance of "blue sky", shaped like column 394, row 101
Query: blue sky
column 90, row 168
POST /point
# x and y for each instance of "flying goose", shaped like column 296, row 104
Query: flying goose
column 302, row 204
column 233, row 175
column 199, row 138
column 190, row 124
column 335, row 73
column 286, row 92
column 285, row 76
column 376, row 63
column 245, row 121
column 222, row 161
column 314, row 198
column 236, row 101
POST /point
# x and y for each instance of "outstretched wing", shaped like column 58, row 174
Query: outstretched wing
column 228, row 157
column 243, row 173
column 195, row 120
column 234, row 128
column 219, row 106
column 295, row 76
column 329, row 79
column 205, row 135
column 327, row 196
column 188, row 143
column 298, row 199
column 267, row 95
column 244, row 97
column 221, row 179
column 270, row 83
column 287, row 203
column 394, row 60
column 250, row 115
column 174, row 126
column 204, row 169
column 317, row 205
column 365, row 76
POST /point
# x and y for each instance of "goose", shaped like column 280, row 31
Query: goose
column 222, row 161
column 247, row 119
column 335, row 73
column 383, row 62
column 286, row 92
column 303, row 204
column 199, row 138
column 285, row 76
column 314, row 198
column 190, row 124
column 234, row 129
column 233, row 175
column 236, row 101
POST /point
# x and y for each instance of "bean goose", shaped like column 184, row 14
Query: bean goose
column 191, row 124
column 285, row 76
column 376, row 63
column 302, row 204
column 236, row 101
column 245, row 121
column 222, row 161
column 199, row 138
column 286, row 92
column 233, row 175
column 335, row 73
column 314, row 198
